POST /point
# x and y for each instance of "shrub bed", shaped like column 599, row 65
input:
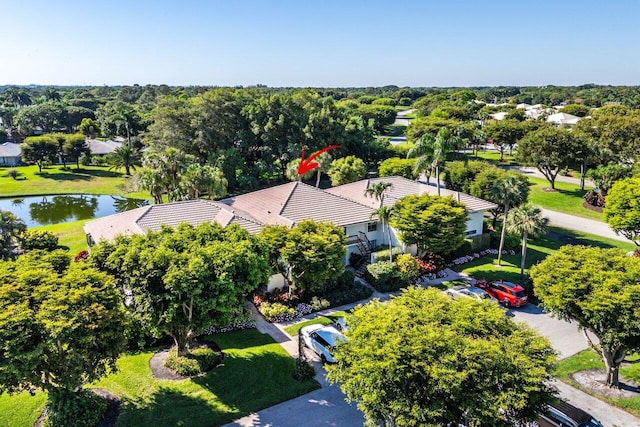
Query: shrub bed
column 197, row 361
column 384, row 276
column 383, row 254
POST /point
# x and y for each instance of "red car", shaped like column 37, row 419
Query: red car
column 509, row 294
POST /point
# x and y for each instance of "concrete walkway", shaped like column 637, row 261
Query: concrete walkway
column 531, row 171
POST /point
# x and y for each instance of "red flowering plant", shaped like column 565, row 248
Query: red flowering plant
column 82, row 255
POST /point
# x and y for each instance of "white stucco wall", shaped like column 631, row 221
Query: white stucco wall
column 275, row 281
column 354, row 230
column 474, row 224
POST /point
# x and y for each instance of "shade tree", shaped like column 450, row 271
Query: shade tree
column 622, row 209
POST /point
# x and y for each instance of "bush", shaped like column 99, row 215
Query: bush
column 356, row 292
column 432, row 263
column 383, row 255
column 511, row 241
column 199, row 360
column 318, row 303
column 385, row 276
column 464, row 249
column 356, row 259
column 12, row 173
column 303, row 371
column 85, row 160
column 397, row 166
column 480, row 242
column 408, row 266
column 82, row 409
column 271, row 310
column 38, row 239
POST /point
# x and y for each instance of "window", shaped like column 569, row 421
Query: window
column 470, row 233
column 372, row 226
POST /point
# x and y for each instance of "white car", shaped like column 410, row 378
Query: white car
column 469, row 292
column 321, row 340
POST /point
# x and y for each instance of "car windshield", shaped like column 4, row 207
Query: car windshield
column 520, row 294
column 592, row 423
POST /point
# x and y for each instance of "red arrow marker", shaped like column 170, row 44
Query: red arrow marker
column 308, row 164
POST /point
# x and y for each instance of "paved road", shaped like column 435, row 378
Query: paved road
column 585, row 225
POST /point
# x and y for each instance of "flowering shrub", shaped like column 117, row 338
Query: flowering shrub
column 467, row 258
column 433, row 262
column 281, row 295
column 278, row 312
column 233, row 326
column 408, row 266
column 82, row 255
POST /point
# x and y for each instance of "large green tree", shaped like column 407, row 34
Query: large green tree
column 346, row 169
column 314, row 252
column 74, row 146
column 186, row 279
column 622, row 209
column 433, row 223
column 549, row 149
column 423, row 359
column 61, row 327
column 599, row 289
column 505, row 134
column 39, row 150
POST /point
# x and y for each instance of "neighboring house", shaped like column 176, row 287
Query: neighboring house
column 100, row 148
column 498, row 116
column 9, row 154
column 287, row 204
column 563, row 119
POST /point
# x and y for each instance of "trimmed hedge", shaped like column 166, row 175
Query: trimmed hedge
column 385, row 276
column 383, row 255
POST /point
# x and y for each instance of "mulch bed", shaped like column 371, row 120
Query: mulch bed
column 595, row 380
column 161, row 372
column 598, row 209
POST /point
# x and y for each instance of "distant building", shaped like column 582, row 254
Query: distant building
column 101, row 148
column 9, row 154
column 563, row 119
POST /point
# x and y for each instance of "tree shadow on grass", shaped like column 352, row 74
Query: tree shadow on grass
column 64, row 176
column 169, row 407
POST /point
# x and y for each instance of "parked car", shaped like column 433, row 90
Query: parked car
column 469, row 291
column 321, row 340
column 563, row 414
column 509, row 294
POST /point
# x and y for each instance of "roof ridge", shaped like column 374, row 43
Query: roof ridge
column 286, row 201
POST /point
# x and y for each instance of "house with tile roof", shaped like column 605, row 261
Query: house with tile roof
column 288, row 204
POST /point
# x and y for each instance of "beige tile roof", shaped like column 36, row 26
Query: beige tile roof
column 138, row 221
column 293, row 202
column 401, row 187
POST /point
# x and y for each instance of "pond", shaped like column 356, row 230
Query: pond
column 44, row 210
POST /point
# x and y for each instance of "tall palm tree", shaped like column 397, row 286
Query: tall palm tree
column 528, row 221
column 422, row 151
column 508, row 191
column 445, row 141
column 125, row 157
column 384, row 214
column 292, row 171
column 324, row 163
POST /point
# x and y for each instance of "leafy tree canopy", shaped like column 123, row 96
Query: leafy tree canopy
column 622, row 209
column 423, row 359
column 346, row 169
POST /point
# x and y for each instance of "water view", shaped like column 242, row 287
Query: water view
column 44, row 210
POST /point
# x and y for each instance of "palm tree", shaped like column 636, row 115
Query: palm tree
column 528, row 221
column 324, row 163
column 291, row 171
column 152, row 181
column 508, row 191
column 422, row 151
column 376, row 190
column 444, row 142
column 125, row 157
column 384, row 213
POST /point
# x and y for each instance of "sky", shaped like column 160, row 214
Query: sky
column 313, row 43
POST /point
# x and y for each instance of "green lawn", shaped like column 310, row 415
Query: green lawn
column 537, row 250
column 55, row 180
column 71, row 235
column 567, row 199
column 493, row 156
column 588, row 359
column 323, row 320
column 255, row 374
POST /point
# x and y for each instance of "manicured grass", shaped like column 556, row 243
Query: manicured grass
column 537, row 250
column 255, row 374
column 55, row 180
column 323, row 320
column 567, row 199
column 21, row 410
column 588, row 359
column 492, row 156
column 71, row 235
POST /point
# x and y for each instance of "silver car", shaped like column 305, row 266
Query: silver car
column 469, row 291
column 321, row 340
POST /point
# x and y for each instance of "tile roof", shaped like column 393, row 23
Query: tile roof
column 99, row 147
column 401, row 187
column 141, row 220
column 290, row 203
column 9, row 149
